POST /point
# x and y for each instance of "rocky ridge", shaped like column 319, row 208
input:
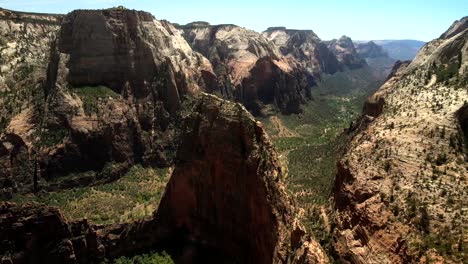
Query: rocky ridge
column 190, row 222
column 401, row 183
column 250, row 68
column 370, row 50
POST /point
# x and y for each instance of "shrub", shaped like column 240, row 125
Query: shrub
column 446, row 73
column 91, row 95
column 151, row 258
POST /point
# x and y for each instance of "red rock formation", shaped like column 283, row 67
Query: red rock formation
column 225, row 193
column 225, row 202
column 240, row 58
column 75, row 124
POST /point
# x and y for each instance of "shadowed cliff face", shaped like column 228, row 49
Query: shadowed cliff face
column 225, row 202
column 116, row 47
column 225, row 185
column 399, row 189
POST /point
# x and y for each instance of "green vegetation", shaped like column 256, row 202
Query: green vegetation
column 91, row 96
column 53, row 136
column 444, row 74
column 312, row 144
column 151, row 258
column 134, row 196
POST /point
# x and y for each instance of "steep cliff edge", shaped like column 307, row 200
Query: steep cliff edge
column 115, row 81
column 401, row 184
column 24, row 52
column 222, row 197
column 242, row 60
column 225, row 202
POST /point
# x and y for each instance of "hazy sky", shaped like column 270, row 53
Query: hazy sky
column 358, row 19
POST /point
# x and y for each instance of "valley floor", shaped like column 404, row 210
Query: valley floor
column 310, row 144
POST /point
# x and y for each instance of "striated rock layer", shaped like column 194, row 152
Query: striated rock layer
column 24, row 52
column 401, row 184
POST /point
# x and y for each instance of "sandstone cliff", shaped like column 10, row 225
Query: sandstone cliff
column 24, row 52
column 401, row 184
column 346, row 53
column 114, row 83
column 305, row 47
column 225, row 202
column 243, row 60
column 234, row 201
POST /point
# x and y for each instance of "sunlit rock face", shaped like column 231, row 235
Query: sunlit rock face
column 400, row 184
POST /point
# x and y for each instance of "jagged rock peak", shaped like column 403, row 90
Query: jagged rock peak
column 248, row 66
column 305, row 48
column 345, row 42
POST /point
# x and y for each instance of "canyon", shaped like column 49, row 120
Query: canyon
column 122, row 134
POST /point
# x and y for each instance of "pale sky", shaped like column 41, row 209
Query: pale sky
column 358, row 19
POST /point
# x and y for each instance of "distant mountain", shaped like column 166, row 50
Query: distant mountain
column 401, row 49
column 376, row 57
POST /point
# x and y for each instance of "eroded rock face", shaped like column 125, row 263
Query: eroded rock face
column 114, row 84
column 225, row 202
column 239, row 57
column 400, row 185
column 33, row 233
column 346, row 53
column 113, row 47
column 374, row 105
column 24, row 52
column 305, row 47
column 226, row 192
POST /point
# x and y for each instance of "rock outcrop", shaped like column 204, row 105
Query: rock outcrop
column 220, row 198
column 374, row 105
column 241, row 58
column 305, row 47
column 346, row 53
column 33, row 233
column 24, row 52
column 225, row 202
column 401, row 184
column 115, row 82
